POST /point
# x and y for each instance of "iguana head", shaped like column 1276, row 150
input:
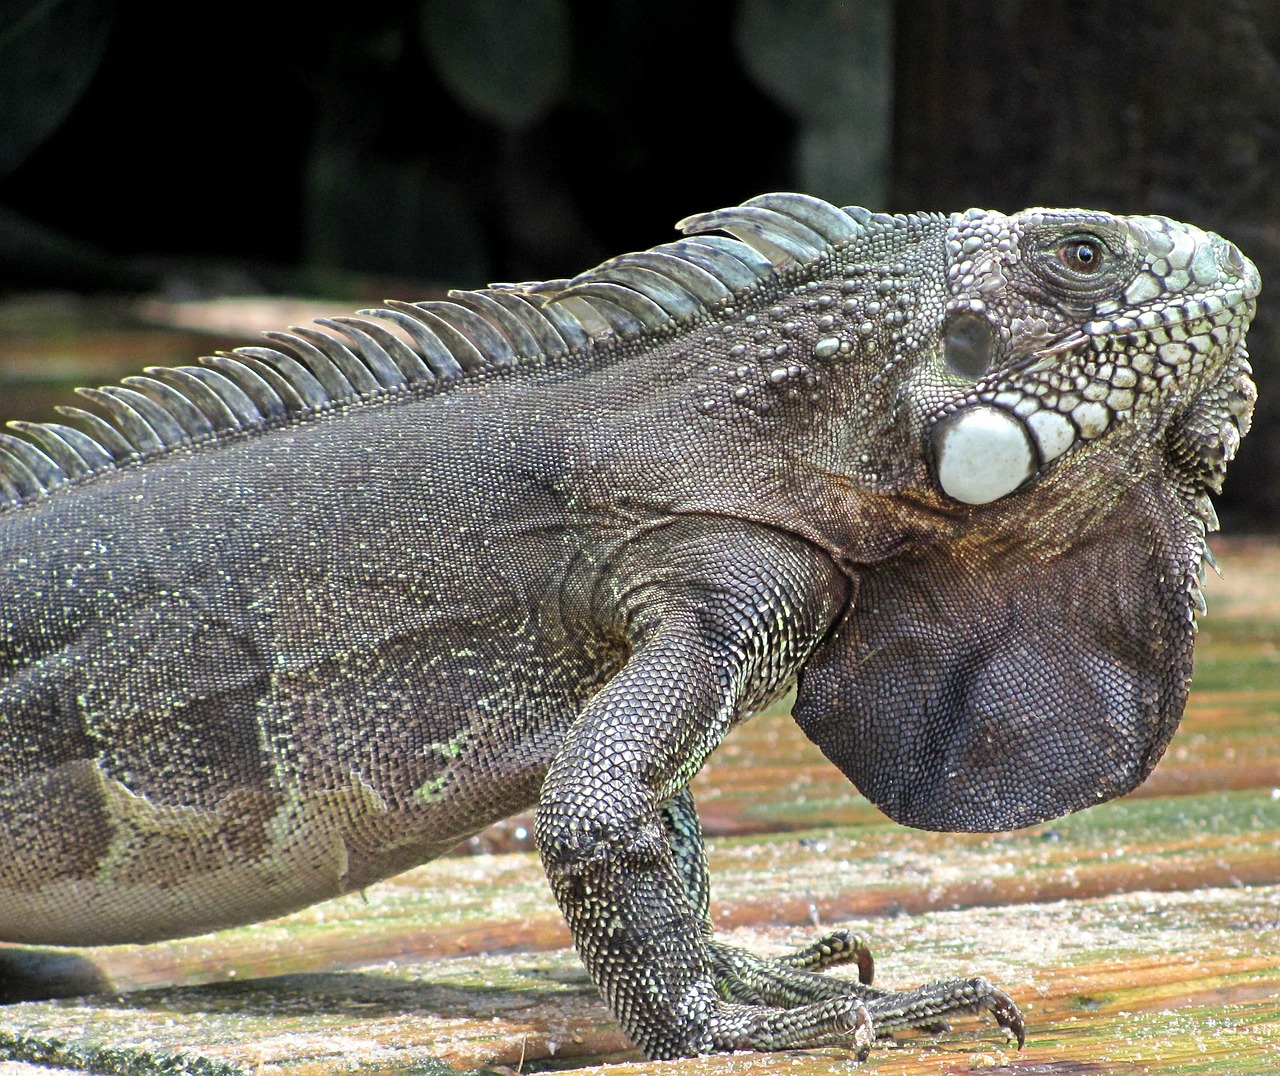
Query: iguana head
column 1050, row 417
column 1061, row 325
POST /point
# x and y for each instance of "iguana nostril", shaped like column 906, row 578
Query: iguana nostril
column 1230, row 258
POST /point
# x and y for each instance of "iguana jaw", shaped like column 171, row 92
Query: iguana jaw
column 1175, row 330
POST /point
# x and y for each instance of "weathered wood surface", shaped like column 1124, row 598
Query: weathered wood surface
column 1141, row 936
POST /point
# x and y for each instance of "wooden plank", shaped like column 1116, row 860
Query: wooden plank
column 1131, row 978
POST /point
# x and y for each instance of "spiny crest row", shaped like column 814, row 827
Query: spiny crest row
column 310, row 370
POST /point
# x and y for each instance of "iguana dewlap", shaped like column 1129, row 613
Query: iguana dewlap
column 286, row 623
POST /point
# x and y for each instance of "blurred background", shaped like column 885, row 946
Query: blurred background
column 170, row 183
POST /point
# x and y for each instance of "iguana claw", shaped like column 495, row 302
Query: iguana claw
column 1007, row 1015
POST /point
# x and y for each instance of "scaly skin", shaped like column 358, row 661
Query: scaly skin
column 292, row 622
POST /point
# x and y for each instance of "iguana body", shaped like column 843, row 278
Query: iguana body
column 290, row 624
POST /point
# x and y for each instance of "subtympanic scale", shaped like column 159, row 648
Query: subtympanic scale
column 982, row 453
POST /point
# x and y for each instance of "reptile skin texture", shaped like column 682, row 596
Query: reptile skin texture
column 287, row 622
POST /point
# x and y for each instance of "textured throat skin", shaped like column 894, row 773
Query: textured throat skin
column 283, row 624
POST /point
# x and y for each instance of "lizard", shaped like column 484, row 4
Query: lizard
column 311, row 612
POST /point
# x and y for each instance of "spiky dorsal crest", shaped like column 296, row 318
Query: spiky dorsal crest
column 347, row 360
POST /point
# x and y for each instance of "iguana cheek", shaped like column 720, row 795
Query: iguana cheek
column 981, row 454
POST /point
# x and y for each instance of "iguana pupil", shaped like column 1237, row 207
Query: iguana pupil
column 1081, row 255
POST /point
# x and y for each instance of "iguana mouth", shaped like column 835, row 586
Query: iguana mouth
column 1013, row 426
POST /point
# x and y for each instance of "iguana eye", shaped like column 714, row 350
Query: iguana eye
column 1083, row 256
column 1080, row 266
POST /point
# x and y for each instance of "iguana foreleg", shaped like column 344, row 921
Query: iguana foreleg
column 613, row 873
column 635, row 899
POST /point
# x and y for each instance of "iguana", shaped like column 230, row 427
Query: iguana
column 280, row 625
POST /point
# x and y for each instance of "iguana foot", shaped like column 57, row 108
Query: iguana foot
column 830, row 951
column 793, row 979
column 790, row 984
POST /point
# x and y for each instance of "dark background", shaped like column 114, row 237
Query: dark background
column 241, row 148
